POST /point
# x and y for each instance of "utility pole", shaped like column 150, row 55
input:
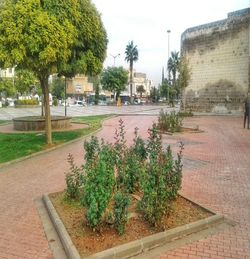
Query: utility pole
column 168, row 31
column 65, row 99
column 114, row 57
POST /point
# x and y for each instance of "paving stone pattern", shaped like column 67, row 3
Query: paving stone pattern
column 222, row 184
column 219, row 179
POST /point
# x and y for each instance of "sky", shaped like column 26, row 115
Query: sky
column 147, row 22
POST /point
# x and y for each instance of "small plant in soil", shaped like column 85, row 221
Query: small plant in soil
column 112, row 173
column 171, row 122
column 74, row 180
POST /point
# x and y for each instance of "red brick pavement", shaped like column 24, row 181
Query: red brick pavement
column 222, row 184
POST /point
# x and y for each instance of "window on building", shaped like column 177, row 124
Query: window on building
column 78, row 88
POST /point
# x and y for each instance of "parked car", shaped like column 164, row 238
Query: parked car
column 79, row 103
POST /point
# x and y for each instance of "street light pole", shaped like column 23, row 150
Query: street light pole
column 114, row 57
column 65, row 93
column 168, row 31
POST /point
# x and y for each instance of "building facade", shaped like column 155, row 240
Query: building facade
column 218, row 55
column 7, row 73
column 139, row 79
column 79, row 86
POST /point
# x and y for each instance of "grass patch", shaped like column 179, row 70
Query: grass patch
column 14, row 146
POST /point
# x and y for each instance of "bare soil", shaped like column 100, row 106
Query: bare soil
column 88, row 242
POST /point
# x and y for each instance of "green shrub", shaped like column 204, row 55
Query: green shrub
column 91, row 148
column 55, row 102
column 170, row 121
column 27, row 102
column 174, row 169
column 99, row 186
column 130, row 171
column 74, row 180
column 128, row 161
column 139, row 146
column 122, row 202
column 113, row 171
column 162, row 179
column 186, row 113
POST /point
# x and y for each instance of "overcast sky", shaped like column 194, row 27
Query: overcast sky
column 146, row 23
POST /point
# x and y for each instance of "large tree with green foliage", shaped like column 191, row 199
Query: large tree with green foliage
column 58, row 87
column 7, row 88
column 132, row 56
column 88, row 51
column 114, row 79
column 25, row 80
column 43, row 36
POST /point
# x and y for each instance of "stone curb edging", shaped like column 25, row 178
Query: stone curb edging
column 54, row 148
column 135, row 247
column 68, row 246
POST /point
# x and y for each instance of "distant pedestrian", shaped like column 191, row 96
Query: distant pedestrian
column 247, row 111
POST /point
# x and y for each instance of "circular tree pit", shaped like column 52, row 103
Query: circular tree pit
column 37, row 123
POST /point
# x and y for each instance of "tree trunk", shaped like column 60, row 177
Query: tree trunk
column 48, row 130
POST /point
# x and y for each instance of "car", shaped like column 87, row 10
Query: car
column 79, row 103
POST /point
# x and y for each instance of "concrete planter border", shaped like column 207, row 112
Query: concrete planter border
column 135, row 247
column 27, row 106
column 37, row 123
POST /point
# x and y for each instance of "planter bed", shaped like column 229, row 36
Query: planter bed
column 37, row 123
column 27, row 106
column 78, row 239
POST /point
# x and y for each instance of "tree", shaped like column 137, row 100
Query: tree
column 132, row 56
column 58, row 87
column 114, row 79
column 140, row 89
column 7, row 88
column 164, row 88
column 96, row 85
column 88, row 51
column 43, row 36
column 184, row 75
column 24, row 80
column 154, row 94
column 173, row 64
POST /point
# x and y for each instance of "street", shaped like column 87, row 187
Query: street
column 10, row 112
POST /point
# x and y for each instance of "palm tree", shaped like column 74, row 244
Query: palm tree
column 131, row 53
column 173, row 64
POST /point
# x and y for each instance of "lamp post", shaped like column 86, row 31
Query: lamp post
column 168, row 31
column 65, row 99
column 114, row 57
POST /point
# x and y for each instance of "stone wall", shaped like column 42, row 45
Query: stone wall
column 218, row 55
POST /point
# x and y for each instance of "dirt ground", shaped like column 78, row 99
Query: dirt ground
column 88, row 242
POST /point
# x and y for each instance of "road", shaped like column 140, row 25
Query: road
column 11, row 112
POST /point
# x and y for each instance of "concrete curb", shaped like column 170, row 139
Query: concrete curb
column 68, row 246
column 138, row 246
column 53, row 148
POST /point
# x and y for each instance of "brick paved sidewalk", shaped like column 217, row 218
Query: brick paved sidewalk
column 218, row 177
column 222, row 183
